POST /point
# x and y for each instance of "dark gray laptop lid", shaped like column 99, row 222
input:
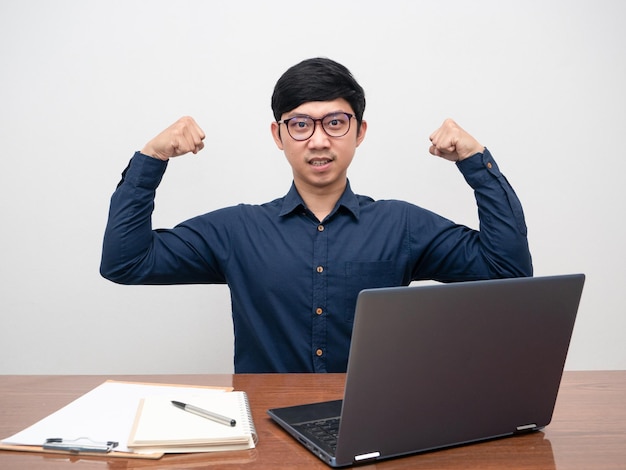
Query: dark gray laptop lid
column 435, row 366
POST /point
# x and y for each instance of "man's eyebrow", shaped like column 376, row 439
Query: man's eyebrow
column 338, row 111
column 292, row 115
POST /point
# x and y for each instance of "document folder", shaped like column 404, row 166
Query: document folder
column 97, row 423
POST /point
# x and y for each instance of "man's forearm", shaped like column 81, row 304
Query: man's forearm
column 128, row 235
column 503, row 233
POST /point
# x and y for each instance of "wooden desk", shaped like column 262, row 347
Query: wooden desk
column 588, row 430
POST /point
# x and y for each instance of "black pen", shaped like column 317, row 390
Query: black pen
column 205, row 413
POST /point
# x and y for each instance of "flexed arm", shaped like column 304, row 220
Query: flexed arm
column 134, row 253
column 500, row 247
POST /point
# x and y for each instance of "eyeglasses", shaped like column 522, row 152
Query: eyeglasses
column 302, row 127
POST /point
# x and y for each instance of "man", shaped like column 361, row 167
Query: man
column 295, row 265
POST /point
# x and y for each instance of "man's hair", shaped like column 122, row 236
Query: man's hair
column 317, row 79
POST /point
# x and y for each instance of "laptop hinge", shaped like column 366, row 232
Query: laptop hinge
column 369, row 455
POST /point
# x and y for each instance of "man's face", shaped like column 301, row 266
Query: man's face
column 322, row 161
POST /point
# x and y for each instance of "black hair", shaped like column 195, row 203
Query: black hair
column 317, row 79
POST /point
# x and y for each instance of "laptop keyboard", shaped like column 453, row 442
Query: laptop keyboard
column 325, row 431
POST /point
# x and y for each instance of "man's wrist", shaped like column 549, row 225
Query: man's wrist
column 149, row 152
column 473, row 152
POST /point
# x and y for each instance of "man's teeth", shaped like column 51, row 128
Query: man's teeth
column 319, row 162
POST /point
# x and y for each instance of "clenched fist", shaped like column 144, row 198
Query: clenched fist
column 182, row 137
column 451, row 142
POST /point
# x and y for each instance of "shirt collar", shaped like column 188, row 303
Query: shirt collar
column 348, row 200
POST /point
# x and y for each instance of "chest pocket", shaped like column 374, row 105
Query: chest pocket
column 361, row 275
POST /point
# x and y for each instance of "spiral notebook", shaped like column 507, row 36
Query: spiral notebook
column 108, row 414
column 162, row 427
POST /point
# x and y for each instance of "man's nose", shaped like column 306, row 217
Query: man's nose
column 319, row 139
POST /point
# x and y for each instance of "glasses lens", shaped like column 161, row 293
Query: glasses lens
column 336, row 125
column 300, row 127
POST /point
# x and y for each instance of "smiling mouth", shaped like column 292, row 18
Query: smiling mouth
column 320, row 161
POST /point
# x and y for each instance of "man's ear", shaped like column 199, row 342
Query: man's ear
column 361, row 135
column 275, row 128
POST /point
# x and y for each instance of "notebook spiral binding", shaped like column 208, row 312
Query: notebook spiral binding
column 250, row 422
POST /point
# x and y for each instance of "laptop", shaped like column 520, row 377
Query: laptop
column 444, row 365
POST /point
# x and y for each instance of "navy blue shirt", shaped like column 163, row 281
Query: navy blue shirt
column 293, row 279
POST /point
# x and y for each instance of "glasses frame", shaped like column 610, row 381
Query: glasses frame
column 315, row 121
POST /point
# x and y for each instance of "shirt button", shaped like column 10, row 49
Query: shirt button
column 319, row 311
column 320, row 269
column 319, row 352
column 489, row 165
column 320, row 228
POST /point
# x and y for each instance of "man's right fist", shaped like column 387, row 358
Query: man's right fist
column 182, row 137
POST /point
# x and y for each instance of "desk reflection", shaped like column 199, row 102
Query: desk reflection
column 528, row 451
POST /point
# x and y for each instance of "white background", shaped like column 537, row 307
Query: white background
column 83, row 84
